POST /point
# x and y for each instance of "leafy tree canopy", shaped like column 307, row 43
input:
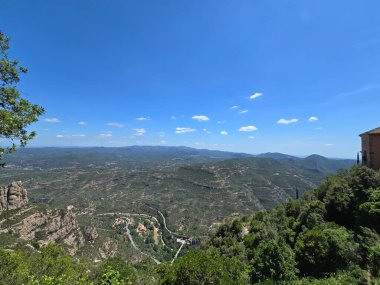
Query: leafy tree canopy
column 16, row 113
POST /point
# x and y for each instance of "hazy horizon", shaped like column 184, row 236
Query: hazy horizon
column 197, row 148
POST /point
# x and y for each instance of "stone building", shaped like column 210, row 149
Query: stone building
column 371, row 148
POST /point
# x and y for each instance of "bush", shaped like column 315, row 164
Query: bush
column 325, row 249
column 273, row 261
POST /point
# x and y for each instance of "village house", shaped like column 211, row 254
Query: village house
column 371, row 148
column 141, row 229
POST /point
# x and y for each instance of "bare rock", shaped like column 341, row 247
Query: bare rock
column 13, row 196
column 108, row 249
column 90, row 234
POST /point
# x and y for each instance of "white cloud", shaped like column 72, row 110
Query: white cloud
column 248, row 129
column 106, row 134
column 287, row 122
column 161, row 134
column 256, row 95
column 313, row 119
column 163, row 142
column 82, row 123
column 200, row 118
column 319, row 128
column 116, row 125
column 143, row 119
column 243, row 112
column 184, row 130
column 235, row 107
column 52, row 120
column 328, row 144
column 251, row 137
column 222, row 122
column 71, row 136
column 139, row 132
column 224, row 133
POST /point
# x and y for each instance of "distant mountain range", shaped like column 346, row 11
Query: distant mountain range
column 149, row 156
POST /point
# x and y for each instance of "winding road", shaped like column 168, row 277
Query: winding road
column 128, row 232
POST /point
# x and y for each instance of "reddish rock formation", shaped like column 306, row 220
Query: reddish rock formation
column 13, row 196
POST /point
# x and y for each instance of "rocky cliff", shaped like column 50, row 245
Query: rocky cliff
column 13, row 196
column 37, row 224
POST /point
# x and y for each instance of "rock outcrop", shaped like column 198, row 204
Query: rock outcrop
column 44, row 226
column 90, row 234
column 13, row 196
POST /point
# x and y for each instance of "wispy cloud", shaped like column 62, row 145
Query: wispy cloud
column 251, row 137
column 287, row 122
column 224, row 133
column 139, row 132
column 71, row 136
column 106, row 134
column 200, row 118
column 247, row 129
column 207, row 131
column 358, row 91
column 173, row 118
column 235, row 107
column 116, row 125
column 256, row 95
column 161, row 134
column 243, row 112
column 142, row 119
column 328, row 144
column 52, row 120
column 180, row 130
column 313, row 119
column 82, row 123
column 222, row 122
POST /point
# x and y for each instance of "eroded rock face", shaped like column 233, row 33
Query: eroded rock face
column 13, row 196
column 49, row 226
column 90, row 234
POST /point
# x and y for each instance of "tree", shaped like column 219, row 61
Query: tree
column 13, row 268
column 16, row 113
column 273, row 260
column 325, row 249
column 198, row 267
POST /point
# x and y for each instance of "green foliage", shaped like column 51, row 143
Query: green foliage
column 16, row 113
column 334, row 228
column 273, row 260
column 198, row 267
column 13, row 268
column 325, row 249
column 111, row 277
column 374, row 259
column 54, row 264
column 114, row 270
column 369, row 211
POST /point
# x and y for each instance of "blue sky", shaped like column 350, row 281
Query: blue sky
column 304, row 75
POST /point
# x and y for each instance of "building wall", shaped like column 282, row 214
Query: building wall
column 374, row 145
column 365, row 150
